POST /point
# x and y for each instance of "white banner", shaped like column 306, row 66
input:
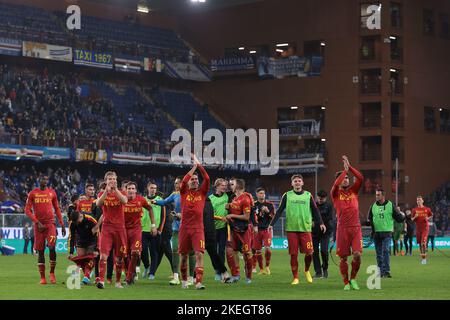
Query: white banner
column 187, row 71
column 17, row 233
column 46, row 51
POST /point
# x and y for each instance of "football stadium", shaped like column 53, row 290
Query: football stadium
column 256, row 150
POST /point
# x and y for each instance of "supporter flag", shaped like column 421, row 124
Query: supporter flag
column 148, row 64
column 127, row 64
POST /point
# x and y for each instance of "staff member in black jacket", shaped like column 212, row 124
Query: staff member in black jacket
column 211, row 243
column 322, row 239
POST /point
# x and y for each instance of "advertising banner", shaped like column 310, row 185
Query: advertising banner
column 99, row 156
column 233, row 64
column 92, row 59
column 18, row 152
column 10, row 47
column 291, row 66
column 46, row 51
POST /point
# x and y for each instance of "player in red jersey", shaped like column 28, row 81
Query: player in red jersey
column 191, row 234
column 420, row 215
column 262, row 214
column 41, row 203
column 348, row 235
column 113, row 232
column 84, row 204
column 238, row 218
column 133, row 214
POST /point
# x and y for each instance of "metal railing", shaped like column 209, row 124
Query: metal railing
column 18, row 220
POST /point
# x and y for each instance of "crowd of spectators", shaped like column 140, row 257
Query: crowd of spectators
column 43, row 109
column 439, row 202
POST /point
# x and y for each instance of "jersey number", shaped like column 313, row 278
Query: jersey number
column 202, row 244
column 308, row 245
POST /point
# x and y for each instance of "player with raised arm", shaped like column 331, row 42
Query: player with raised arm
column 41, row 203
column 301, row 213
column 191, row 234
column 133, row 214
column 348, row 234
column 113, row 234
column 420, row 215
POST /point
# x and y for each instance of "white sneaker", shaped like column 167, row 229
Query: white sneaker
column 184, row 285
column 254, row 270
column 138, row 271
column 424, row 261
column 190, row 281
column 118, row 285
column 199, row 286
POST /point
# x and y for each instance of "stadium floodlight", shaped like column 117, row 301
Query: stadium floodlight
column 282, row 44
column 143, row 6
column 280, row 50
column 322, row 43
column 323, row 140
column 440, row 109
column 294, row 107
column 198, row 1
column 392, row 37
column 323, row 108
column 241, row 48
column 253, row 51
column 393, row 70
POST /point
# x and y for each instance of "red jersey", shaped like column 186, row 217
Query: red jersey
column 422, row 216
column 43, row 202
column 193, row 202
column 112, row 210
column 240, row 206
column 85, row 206
column 346, row 202
column 133, row 211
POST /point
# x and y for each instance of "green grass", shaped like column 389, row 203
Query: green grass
column 412, row 281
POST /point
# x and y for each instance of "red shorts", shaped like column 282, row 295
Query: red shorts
column 241, row 241
column 134, row 239
column 304, row 239
column 348, row 240
column 113, row 237
column 422, row 235
column 191, row 240
column 49, row 235
column 262, row 238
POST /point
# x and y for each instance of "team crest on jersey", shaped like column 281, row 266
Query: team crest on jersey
column 346, row 197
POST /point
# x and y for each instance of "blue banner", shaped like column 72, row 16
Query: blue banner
column 233, row 64
column 17, row 152
column 10, row 47
column 291, row 66
column 83, row 57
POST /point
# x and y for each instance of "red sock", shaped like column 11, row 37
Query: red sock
column 355, row 267
column 260, row 260
column 248, row 265
column 232, row 264
column 254, row 260
column 294, row 265
column 308, row 259
column 87, row 268
column 268, row 254
column 102, row 270
column 119, row 267
column 198, row 275
column 183, row 269
column 343, row 267
column 132, row 266
column 41, row 267
column 52, row 266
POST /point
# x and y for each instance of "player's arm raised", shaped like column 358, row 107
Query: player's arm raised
column 100, row 200
column 358, row 175
column 334, row 190
column 123, row 198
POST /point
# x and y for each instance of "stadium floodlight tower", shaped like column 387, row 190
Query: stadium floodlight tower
column 143, row 6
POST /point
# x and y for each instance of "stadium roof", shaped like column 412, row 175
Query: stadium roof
column 179, row 5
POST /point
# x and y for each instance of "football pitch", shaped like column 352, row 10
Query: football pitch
column 411, row 281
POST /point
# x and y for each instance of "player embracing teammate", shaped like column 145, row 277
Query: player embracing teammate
column 348, row 235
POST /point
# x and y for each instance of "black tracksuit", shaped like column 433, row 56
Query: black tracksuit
column 322, row 239
column 210, row 237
